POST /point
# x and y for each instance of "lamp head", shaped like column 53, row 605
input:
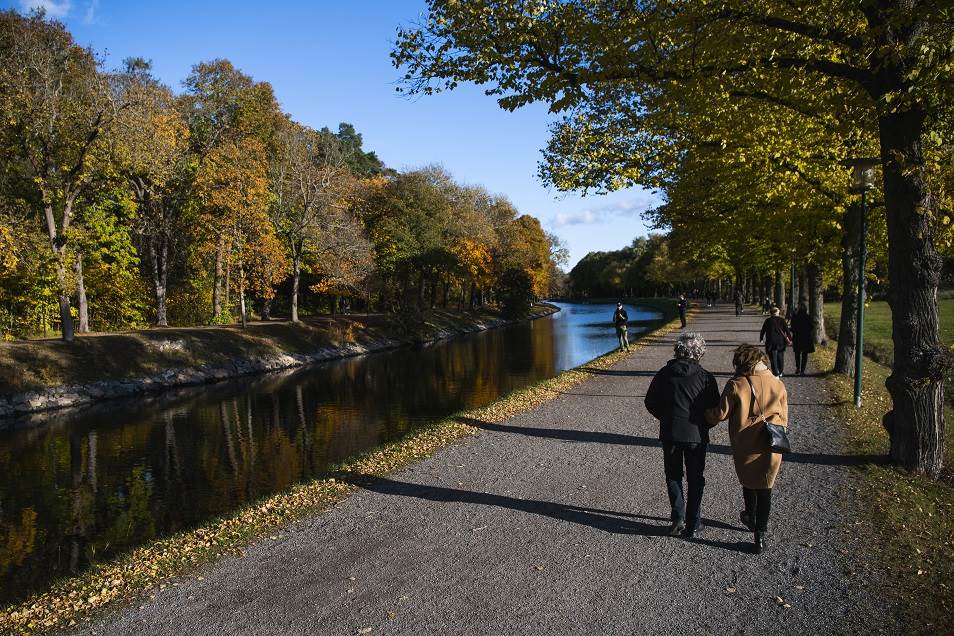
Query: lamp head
column 862, row 172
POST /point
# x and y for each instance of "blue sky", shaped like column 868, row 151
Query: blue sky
column 328, row 62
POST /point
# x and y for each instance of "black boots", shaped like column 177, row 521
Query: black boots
column 759, row 545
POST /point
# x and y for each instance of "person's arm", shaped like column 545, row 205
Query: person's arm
column 783, row 405
column 724, row 407
column 764, row 327
column 653, row 400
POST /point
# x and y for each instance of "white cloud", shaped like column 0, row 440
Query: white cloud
column 633, row 206
column 90, row 16
column 53, row 8
column 585, row 217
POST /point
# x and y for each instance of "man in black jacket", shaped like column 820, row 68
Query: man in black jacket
column 678, row 397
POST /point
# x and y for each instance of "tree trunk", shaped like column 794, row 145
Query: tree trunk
column 296, row 276
column 779, row 289
column 803, row 291
column 159, row 278
column 267, row 308
column 816, row 302
column 63, row 296
column 217, row 283
column 242, row 294
column 82, row 303
column 848, row 324
column 916, row 383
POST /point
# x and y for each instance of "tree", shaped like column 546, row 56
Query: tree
column 312, row 185
column 56, row 106
column 151, row 148
column 232, row 131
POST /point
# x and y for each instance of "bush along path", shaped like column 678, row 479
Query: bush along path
column 552, row 520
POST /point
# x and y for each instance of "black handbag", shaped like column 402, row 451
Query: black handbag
column 775, row 435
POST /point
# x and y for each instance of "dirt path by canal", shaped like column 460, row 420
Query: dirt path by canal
column 552, row 523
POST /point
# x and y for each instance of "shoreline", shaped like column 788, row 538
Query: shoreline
column 70, row 395
column 151, row 566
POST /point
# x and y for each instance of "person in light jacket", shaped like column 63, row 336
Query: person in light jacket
column 753, row 395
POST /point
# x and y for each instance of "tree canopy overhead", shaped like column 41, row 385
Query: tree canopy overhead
column 644, row 89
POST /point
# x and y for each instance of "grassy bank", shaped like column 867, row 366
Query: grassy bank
column 36, row 364
column 908, row 521
column 151, row 567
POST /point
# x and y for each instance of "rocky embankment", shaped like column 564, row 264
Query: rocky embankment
column 76, row 394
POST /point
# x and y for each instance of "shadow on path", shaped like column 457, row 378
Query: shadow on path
column 608, row 521
column 602, row 437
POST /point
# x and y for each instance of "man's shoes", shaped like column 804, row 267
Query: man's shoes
column 747, row 520
column 676, row 528
column 689, row 533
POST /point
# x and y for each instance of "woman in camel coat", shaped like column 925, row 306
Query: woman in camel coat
column 755, row 463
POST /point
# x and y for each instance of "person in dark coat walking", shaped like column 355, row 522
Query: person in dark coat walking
column 678, row 396
column 803, row 341
column 738, row 303
column 777, row 337
column 683, row 305
column 620, row 319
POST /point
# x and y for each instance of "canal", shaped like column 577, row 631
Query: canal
column 97, row 482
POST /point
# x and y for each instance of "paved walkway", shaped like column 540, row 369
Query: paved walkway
column 551, row 523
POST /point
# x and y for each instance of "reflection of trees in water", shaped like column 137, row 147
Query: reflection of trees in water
column 107, row 480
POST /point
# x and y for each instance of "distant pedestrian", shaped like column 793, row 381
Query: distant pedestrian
column 803, row 341
column 683, row 305
column 750, row 398
column 620, row 320
column 766, row 306
column 678, row 396
column 738, row 304
column 777, row 337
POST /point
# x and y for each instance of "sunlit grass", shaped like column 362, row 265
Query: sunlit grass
column 907, row 520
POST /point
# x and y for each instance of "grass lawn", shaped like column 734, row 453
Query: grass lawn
column 878, row 343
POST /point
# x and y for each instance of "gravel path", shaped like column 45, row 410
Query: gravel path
column 551, row 523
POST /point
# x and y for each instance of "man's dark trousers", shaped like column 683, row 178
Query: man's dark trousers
column 693, row 456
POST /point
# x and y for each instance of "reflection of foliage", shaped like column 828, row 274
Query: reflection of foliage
column 133, row 521
column 17, row 540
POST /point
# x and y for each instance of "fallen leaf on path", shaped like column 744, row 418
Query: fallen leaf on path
column 364, row 630
column 730, row 590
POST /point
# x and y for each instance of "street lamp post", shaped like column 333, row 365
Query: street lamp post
column 863, row 177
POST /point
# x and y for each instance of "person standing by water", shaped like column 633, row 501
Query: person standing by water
column 620, row 319
column 683, row 305
column 802, row 341
column 777, row 337
column 679, row 396
column 750, row 398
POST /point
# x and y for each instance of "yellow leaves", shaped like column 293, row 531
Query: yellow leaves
column 8, row 252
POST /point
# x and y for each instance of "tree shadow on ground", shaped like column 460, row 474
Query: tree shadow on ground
column 608, row 521
column 603, row 437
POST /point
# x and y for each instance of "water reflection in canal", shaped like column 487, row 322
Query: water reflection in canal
column 97, row 482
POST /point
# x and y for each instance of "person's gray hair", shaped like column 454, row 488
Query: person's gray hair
column 690, row 345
